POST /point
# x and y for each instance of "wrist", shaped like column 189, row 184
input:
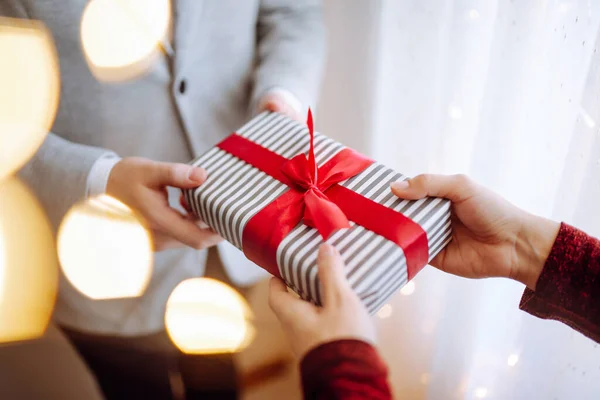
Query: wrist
column 99, row 174
column 534, row 244
column 114, row 180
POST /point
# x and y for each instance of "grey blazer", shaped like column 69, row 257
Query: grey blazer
column 228, row 52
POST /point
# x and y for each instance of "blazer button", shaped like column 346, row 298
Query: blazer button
column 182, row 86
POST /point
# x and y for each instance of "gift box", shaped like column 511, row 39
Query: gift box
column 276, row 190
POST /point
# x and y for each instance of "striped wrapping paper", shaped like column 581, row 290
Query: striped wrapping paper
column 235, row 191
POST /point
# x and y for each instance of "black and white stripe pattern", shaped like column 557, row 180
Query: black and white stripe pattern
column 236, row 191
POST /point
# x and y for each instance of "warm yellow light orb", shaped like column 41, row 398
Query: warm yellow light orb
column 121, row 37
column 29, row 87
column 28, row 265
column 205, row 316
column 2, row 265
column 105, row 250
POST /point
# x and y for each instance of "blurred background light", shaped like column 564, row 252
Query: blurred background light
column 121, row 38
column 385, row 311
column 206, row 316
column 473, row 14
column 3, row 265
column 455, row 112
column 105, row 249
column 29, row 89
column 28, row 265
column 408, row 289
column 481, row 393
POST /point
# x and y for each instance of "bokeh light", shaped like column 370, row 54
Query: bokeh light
column 408, row 289
column 473, row 14
column 29, row 89
column 121, row 38
column 385, row 311
column 105, row 249
column 28, row 264
column 205, row 316
column 3, row 264
column 481, row 393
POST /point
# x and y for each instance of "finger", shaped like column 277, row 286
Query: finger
column 275, row 105
column 165, row 242
column 453, row 187
column 449, row 260
column 284, row 304
column 190, row 213
column 194, row 219
column 184, row 204
column 332, row 276
column 181, row 176
column 438, row 260
column 280, row 106
column 184, row 230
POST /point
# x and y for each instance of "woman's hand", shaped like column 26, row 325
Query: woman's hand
column 342, row 316
column 142, row 185
column 491, row 237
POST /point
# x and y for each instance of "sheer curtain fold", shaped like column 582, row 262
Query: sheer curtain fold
column 508, row 92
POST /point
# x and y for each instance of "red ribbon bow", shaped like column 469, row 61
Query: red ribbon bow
column 316, row 199
column 319, row 211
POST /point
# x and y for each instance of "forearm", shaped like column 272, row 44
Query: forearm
column 58, row 174
column 344, row 369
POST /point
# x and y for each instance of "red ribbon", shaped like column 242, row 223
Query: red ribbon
column 316, row 199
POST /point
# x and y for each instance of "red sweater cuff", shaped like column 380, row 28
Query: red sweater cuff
column 568, row 289
column 344, row 369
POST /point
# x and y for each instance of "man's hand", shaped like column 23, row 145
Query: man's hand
column 282, row 102
column 342, row 316
column 142, row 185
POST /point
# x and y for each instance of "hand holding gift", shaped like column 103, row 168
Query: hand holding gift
column 341, row 317
column 281, row 101
column 141, row 184
column 491, row 237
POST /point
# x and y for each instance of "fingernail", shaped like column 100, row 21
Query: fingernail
column 197, row 175
column 274, row 105
column 400, row 185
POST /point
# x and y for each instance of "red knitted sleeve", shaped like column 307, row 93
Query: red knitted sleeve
column 568, row 289
column 344, row 369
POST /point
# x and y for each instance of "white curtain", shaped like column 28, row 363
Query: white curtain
column 507, row 91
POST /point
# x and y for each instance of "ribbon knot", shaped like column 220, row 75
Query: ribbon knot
column 306, row 177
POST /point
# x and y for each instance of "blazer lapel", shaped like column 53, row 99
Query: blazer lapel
column 187, row 20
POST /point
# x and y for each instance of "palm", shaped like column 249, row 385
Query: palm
column 485, row 229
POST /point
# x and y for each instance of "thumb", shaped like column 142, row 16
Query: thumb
column 452, row 187
column 285, row 305
column 332, row 276
column 277, row 104
column 178, row 175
